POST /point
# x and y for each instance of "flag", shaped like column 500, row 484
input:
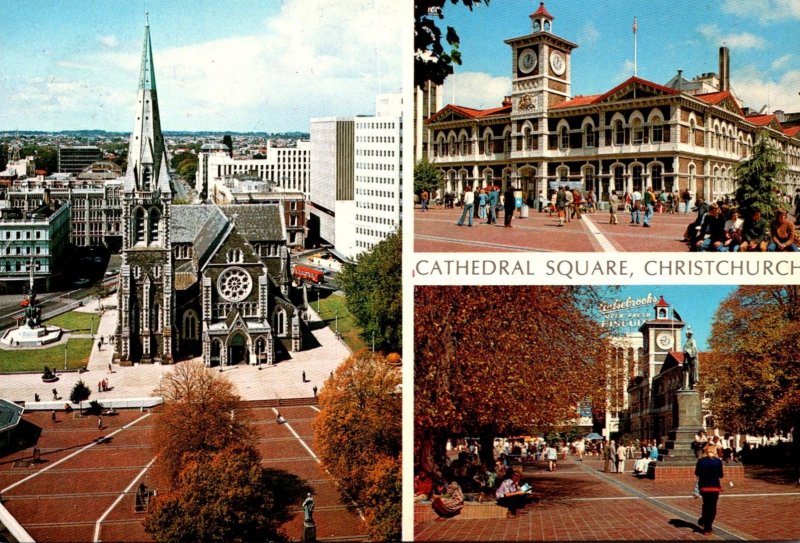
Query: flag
column 635, row 26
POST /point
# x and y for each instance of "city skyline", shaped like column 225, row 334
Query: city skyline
column 242, row 66
column 670, row 36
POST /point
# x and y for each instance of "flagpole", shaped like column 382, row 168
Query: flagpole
column 635, row 28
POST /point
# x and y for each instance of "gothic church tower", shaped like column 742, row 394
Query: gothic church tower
column 145, row 287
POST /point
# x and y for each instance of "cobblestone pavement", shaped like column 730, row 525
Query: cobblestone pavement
column 279, row 381
column 84, row 490
column 436, row 231
column 579, row 502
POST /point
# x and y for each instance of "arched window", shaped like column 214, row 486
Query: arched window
column 588, row 177
column 638, row 131
column 488, row 144
column 528, row 138
column 190, row 330
column 537, row 26
column 146, row 175
column 138, row 225
column 657, row 129
column 588, row 135
column 619, row 133
column 463, row 142
column 234, row 256
column 507, row 142
column 155, row 218
column 657, row 178
column 563, row 137
column 636, row 172
column 156, row 319
column 279, row 322
column 563, row 175
column 619, row 179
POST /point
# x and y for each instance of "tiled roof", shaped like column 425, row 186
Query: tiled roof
column 257, row 222
column 577, row 101
column 635, row 79
column 200, row 225
column 791, row 131
column 541, row 11
column 713, row 97
column 470, row 112
column 761, row 120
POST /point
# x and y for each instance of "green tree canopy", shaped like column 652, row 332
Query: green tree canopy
column 426, row 176
column 431, row 61
column 80, row 393
column 373, row 286
column 495, row 360
column 358, row 435
column 753, row 369
column 758, row 176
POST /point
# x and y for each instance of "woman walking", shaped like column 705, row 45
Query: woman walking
column 709, row 473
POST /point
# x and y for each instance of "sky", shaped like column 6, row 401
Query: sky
column 696, row 304
column 235, row 65
column 672, row 35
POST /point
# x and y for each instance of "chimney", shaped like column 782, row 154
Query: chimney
column 724, row 69
column 47, row 200
column 680, row 80
column 506, row 101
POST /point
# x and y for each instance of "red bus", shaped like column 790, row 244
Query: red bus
column 304, row 273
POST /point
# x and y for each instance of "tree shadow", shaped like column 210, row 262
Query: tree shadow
column 783, row 475
column 288, row 489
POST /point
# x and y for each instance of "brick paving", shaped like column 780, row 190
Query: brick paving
column 580, row 503
column 436, row 231
column 78, row 479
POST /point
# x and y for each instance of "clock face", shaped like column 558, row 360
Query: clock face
column 527, row 61
column 557, row 63
column 665, row 340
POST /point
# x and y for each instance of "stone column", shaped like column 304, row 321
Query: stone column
column 690, row 419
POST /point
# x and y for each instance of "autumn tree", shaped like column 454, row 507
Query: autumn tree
column 426, row 177
column 758, row 177
column 490, row 361
column 432, row 62
column 200, row 416
column 227, row 497
column 753, row 370
column 358, row 436
column 374, row 290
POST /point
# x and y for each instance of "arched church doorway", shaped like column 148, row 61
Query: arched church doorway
column 238, row 350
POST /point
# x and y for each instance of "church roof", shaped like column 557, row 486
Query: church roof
column 257, row 222
column 542, row 11
column 200, row 225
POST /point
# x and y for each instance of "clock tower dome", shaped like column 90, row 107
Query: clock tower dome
column 541, row 68
column 660, row 335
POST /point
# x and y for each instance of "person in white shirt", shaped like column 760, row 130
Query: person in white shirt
column 469, row 204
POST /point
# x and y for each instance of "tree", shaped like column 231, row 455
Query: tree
column 374, row 290
column 753, row 370
column 228, row 497
column 758, row 176
column 200, row 417
column 358, row 435
column 80, row 393
column 426, row 177
column 187, row 168
column 431, row 61
column 491, row 361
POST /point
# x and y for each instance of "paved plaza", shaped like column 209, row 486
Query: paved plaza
column 436, row 231
column 279, row 381
column 579, row 502
column 84, row 490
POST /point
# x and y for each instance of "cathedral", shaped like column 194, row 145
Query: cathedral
column 196, row 279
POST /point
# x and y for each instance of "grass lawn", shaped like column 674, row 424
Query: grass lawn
column 77, row 321
column 347, row 324
column 78, row 351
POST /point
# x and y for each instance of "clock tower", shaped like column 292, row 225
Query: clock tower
column 541, row 68
column 660, row 335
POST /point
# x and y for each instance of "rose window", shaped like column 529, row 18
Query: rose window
column 234, row 284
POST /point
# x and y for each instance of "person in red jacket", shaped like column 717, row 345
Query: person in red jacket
column 709, row 473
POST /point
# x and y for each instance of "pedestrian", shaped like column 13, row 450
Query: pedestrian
column 613, row 203
column 100, row 345
column 561, row 205
column 636, row 205
column 494, row 199
column 649, row 204
column 509, row 205
column 101, row 340
column 552, row 457
column 55, row 394
column 606, row 456
column 99, row 386
column 709, row 472
column 99, row 423
column 423, row 200
column 304, row 376
column 109, row 367
column 612, row 448
column 315, row 391
column 622, row 452
column 105, row 385
column 469, row 202
column 36, row 397
column 53, row 416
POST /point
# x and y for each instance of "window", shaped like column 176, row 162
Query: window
column 638, row 132
column 563, row 137
column 138, row 225
column 588, row 177
column 658, row 131
column 588, row 136
column 279, row 322
column 234, row 256
column 619, row 179
column 155, row 217
column 636, row 171
column 619, row 133
column 657, row 178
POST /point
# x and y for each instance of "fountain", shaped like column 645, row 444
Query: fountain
column 32, row 333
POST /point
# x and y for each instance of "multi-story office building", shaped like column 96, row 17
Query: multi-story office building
column 378, row 178
column 96, row 206
column 75, row 159
column 36, row 239
column 284, row 167
column 685, row 134
column 332, row 177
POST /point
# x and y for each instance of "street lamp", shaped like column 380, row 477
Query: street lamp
column 337, row 323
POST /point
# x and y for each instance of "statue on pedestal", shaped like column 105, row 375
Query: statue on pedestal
column 309, row 527
column 690, row 371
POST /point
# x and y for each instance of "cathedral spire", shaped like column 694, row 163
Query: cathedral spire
column 147, row 155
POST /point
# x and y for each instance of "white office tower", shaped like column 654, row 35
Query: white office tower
column 378, row 178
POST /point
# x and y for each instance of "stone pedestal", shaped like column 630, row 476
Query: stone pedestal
column 309, row 530
column 690, row 420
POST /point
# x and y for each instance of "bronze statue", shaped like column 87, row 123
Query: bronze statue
column 690, row 362
column 308, row 509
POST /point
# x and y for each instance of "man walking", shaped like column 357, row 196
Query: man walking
column 469, row 203
column 636, row 204
column 494, row 199
column 423, row 199
column 649, row 204
column 509, row 205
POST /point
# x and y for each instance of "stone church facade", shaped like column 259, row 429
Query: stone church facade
column 196, row 279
